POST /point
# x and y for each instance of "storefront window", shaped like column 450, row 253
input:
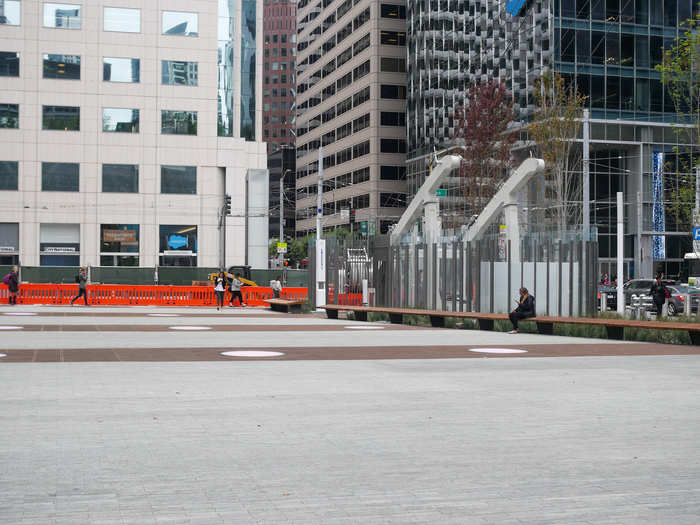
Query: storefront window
column 178, row 245
column 9, row 243
column 59, row 244
column 119, row 245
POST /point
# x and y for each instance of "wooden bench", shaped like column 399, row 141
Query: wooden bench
column 285, row 305
column 615, row 328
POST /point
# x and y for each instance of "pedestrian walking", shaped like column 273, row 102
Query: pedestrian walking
column 276, row 286
column 12, row 282
column 525, row 309
column 81, row 279
column 236, row 285
column 659, row 293
column 220, row 290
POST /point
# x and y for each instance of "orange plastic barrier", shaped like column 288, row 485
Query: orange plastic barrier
column 115, row 294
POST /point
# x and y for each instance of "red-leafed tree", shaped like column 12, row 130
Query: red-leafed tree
column 482, row 129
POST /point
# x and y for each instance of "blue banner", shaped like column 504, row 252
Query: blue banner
column 658, row 242
column 514, row 6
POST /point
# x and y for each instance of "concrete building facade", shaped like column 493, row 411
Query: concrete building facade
column 124, row 124
column 351, row 106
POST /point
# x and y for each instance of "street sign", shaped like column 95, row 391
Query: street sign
column 345, row 213
column 441, row 192
column 372, row 228
column 696, row 233
column 281, row 247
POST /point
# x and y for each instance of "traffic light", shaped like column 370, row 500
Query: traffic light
column 352, row 216
column 227, row 205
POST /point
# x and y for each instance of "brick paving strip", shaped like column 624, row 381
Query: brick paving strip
column 342, row 353
column 212, row 328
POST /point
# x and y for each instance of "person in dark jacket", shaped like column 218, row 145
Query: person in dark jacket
column 13, row 285
column 81, row 279
column 658, row 294
column 525, row 309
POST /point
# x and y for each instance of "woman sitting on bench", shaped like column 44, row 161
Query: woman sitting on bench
column 525, row 309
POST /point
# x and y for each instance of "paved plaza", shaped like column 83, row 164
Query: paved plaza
column 135, row 415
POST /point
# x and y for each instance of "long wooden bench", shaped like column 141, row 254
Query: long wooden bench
column 285, row 305
column 615, row 328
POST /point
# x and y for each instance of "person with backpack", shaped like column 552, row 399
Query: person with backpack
column 219, row 288
column 659, row 293
column 12, row 282
column 525, row 309
column 81, row 279
column 276, row 286
column 236, row 285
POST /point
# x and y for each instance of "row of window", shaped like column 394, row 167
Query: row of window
column 116, row 178
column 345, row 155
column 120, row 19
column 59, row 244
column 351, row 178
column 173, row 72
column 386, row 200
column 121, row 120
column 655, row 12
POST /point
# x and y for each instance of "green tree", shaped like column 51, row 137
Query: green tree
column 680, row 74
column 554, row 128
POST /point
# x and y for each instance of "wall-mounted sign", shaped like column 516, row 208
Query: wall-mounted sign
column 177, row 241
column 59, row 249
column 7, row 249
column 178, row 253
column 119, row 235
column 514, row 6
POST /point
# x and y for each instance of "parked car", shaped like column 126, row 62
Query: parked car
column 676, row 303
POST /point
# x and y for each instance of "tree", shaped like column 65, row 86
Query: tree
column 554, row 128
column 482, row 129
column 680, row 74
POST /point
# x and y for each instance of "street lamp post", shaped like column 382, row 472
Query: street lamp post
column 281, row 255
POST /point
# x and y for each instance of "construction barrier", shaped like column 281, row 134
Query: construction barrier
column 115, row 294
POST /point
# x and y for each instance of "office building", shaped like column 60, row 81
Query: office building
column 281, row 164
column 608, row 50
column 124, row 127
column 351, row 91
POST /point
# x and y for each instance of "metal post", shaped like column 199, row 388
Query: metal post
column 620, row 254
column 534, row 269
column 433, row 266
column 581, row 281
column 493, row 245
column 571, row 278
column 468, row 269
column 559, row 294
column 508, row 253
column 549, row 250
column 281, row 255
column 443, row 276
column 454, row 276
column 476, row 288
column 584, row 270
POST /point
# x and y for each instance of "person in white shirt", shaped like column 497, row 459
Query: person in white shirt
column 276, row 286
column 220, row 290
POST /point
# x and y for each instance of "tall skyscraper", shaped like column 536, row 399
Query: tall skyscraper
column 608, row 50
column 351, row 102
column 124, row 130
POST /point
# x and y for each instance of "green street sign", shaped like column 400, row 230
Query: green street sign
column 441, row 192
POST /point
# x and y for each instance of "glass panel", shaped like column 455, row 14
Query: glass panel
column 248, row 36
column 179, row 23
column 179, row 73
column 9, row 170
column 178, row 245
column 642, row 12
column 10, row 12
column 66, row 118
column 583, row 46
column 121, row 69
column 642, row 95
column 119, row 260
column 9, row 116
column 9, row 64
column 178, row 179
column 120, row 178
column 119, row 238
column 120, row 120
column 62, row 66
column 124, row 20
column 9, row 237
column 642, row 45
column 64, row 16
column 670, row 19
column 627, row 50
column 178, row 122
column 60, row 176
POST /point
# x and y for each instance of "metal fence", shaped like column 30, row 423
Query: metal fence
column 481, row 276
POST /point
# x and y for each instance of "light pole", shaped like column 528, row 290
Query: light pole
column 281, row 255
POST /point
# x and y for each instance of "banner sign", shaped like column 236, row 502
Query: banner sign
column 658, row 242
column 119, row 235
column 514, row 6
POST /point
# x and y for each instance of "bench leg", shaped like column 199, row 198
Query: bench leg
column 274, row 307
column 332, row 314
column 295, row 308
column 694, row 337
column 437, row 321
column 396, row 318
column 545, row 328
column 616, row 332
column 486, row 324
column 360, row 316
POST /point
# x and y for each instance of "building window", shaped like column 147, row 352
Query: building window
column 120, row 120
column 392, row 146
column 119, row 244
column 62, row 66
column 178, row 122
column 11, row 13
column 178, row 180
column 122, row 20
column 180, row 23
column 397, row 12
column 60, row 176
column 121, row 69
column 9, row 116
column 179, row 73
column 392, row 173
column 178, row 245
column 66, row 118
column 392, row 91
column 359, row 176
column 59, row 244
column 361, row 149
column 120, row 178
column 393, row 65
column 344, row 81
column 9, row 64
column 361, row 201
column 360, row 71
column 360, row 123
column 360, row 45
column 248, row 35
column 392, row 38
column 393, row 118
column 9, row 175
column 392, row 200
column 9, row 243
column 63, row 16
column 360, row 97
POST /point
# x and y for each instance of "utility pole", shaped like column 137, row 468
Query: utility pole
column 620, row 254
column 320, row 243
column 586, row 198
column 281, row 255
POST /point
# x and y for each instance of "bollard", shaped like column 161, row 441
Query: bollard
column 687, row 305
column 603, row 302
